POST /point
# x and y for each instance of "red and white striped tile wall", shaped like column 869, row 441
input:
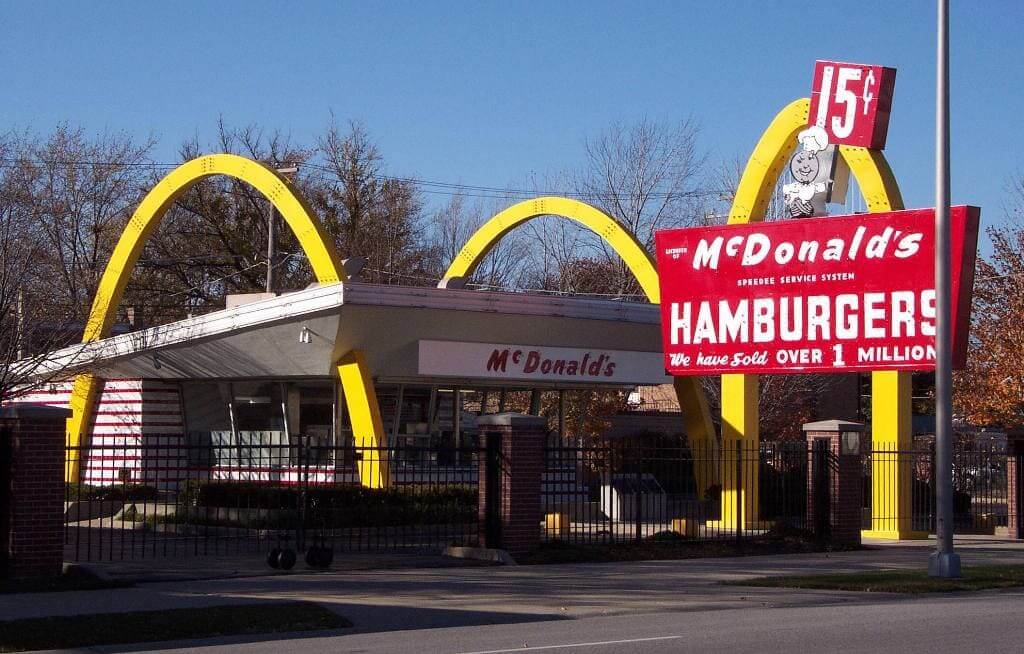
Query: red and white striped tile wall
column 133, row 416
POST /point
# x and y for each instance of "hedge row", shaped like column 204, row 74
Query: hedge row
column 329, row 506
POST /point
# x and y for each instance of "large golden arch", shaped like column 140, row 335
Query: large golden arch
column 890, row 391
column 696, row 417
column 315, row 242
column 633, row 254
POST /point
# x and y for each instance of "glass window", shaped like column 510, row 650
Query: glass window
column 208, row 426
column 311, row 420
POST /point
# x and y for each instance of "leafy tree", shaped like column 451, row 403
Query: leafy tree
column 990, row 390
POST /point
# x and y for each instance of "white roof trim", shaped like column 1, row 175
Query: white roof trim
column 325, row 299
column 255, row 314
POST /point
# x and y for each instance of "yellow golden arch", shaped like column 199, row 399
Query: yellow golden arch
column 891, row 428
column 890, row 390
column 697, row 418
column 312, row 238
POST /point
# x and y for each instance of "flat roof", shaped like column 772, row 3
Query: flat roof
column 303, row 333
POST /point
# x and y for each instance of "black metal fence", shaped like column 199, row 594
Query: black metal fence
column 636, row 489
column 157, row 499
column 980, row 489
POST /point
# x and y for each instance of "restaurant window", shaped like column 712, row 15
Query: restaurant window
column 238, row 425
column 312, row 409
column 208, row 426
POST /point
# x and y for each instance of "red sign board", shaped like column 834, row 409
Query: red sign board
column 850, row 293
column 851, row 102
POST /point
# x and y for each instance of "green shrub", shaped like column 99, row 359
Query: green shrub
column 282, row 507
column 120, row 492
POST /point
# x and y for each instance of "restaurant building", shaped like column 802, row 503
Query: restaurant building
column 239, row 390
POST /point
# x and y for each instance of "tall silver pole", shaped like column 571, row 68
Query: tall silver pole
column 20, row 308
column 944, row 562
column 271, row 246
column 272, row 229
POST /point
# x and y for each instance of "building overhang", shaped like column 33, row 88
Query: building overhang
column 302, row 334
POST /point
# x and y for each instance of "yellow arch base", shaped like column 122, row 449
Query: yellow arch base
column 697, row 418
column 890, row 397
column 364, row 413
column 299, row 216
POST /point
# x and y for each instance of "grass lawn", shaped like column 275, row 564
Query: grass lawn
column 151, row 626
column 976, row 577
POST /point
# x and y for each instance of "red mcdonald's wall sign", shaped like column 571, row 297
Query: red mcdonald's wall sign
column 830, row 294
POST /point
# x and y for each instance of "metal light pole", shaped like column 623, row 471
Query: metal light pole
column 271, row 246
column 20, row 309
column 944, row 562
column 272, row 234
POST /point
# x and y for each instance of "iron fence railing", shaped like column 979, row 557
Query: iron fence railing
column 632, row 490
column 162, row 496
column 980, row 489
column 158, row 499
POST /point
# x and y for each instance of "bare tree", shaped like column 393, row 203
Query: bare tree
column 370, row 214
column 725, row 179
column 213, row 240
column 784, row 402
column 31, row 323
column 451, row 227
column 647, row 176
column 77, row 194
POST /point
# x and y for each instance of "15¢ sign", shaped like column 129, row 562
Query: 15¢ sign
column 851, row 102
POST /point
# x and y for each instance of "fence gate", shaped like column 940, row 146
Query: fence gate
column 981, row 487
column 250, row 492
column 663, row 488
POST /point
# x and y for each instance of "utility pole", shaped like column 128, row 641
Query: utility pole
column 272, row 232
column 21, row 323
column 944, row 562
column 271, row 247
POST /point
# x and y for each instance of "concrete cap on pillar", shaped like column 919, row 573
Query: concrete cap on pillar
column 833, row 426
column 512, row 420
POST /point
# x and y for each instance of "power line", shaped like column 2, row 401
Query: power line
column 426, row 186
column 258, row 264
column 507, row 289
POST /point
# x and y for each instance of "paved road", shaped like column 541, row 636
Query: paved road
column 987, row 622
column 681, row 605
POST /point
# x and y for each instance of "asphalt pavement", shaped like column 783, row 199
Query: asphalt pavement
column 987, row 622
column 611, row 607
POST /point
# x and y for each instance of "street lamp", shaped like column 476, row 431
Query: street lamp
column 944, row 562
column 272, row 231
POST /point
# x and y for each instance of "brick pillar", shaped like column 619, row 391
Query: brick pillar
column 1014, row 454
column 844, row 478
column 32, row 439
column 518, row 442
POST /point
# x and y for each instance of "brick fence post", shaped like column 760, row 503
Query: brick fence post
column 32, row 441
column 1014, row 455
column 845, row 477
column 518, row 441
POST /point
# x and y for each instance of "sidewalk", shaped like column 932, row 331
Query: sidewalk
column 411, row 597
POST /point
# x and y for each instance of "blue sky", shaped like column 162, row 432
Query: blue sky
column 489, row 93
